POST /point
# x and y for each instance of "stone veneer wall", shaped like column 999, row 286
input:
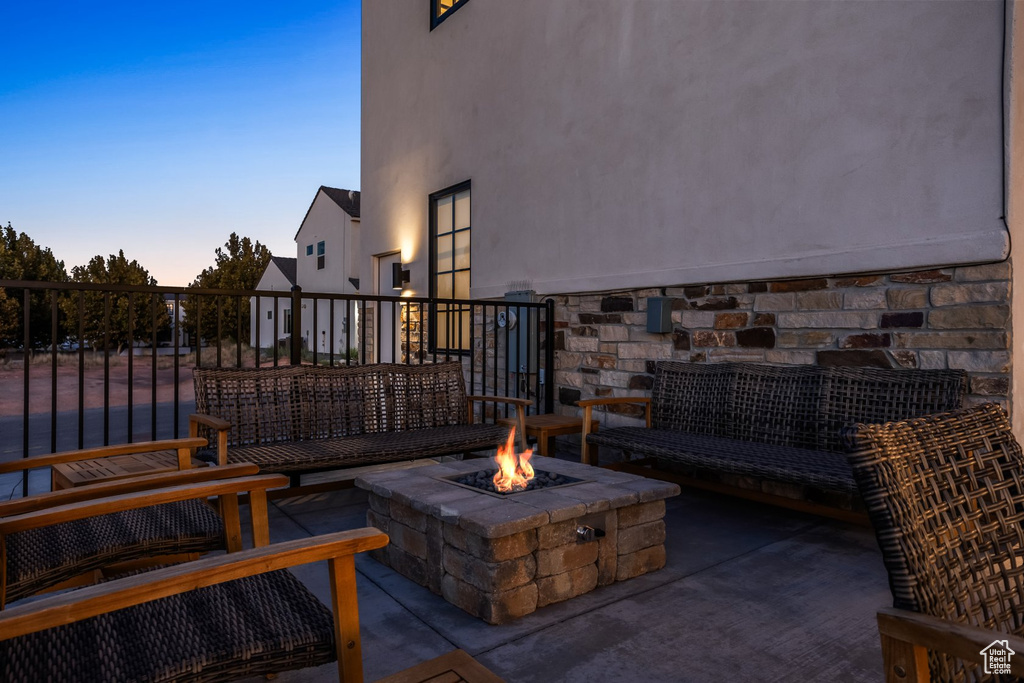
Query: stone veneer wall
column 943, row 318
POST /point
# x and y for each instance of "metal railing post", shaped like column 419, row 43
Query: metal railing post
column 549, row 358
column 296, row 358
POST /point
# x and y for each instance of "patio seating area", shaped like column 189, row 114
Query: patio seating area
column 749, row 591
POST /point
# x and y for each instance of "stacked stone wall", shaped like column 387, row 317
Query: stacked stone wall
column 942, row 318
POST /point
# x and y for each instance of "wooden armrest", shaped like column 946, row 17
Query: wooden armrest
column 47, row 460
column 209, row 421
column 139, row 499
column 524, row 402
column 143, row 482
column 588, row 415
column 907, row 636
column 107, row 597
column 218, row 425
column 521, row 405
column 613, row 399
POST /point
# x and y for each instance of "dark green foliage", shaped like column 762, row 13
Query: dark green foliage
column 146, row 310
column 22, row 259
column 239, row 266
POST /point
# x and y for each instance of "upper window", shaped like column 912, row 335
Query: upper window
column 309, row 250
column 442, row 9
column 321, row 248
column 450, row 265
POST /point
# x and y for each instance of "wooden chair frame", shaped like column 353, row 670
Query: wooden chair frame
column 185, row 449
column 56, row 507
column 337, row 548
column 588, row 456
column 907, row 637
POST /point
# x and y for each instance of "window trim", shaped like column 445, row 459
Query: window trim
column 436, row 20
column 432, row 255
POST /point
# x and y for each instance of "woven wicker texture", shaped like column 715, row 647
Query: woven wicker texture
column 946, row 497
column 828, row 471
column 44, row 557
column 263, row 405
column 872, row 395
column 798, row 410
column 248, row 627
column 321, row 454
column 775, row 405
column 688, row 397
column 344, row 416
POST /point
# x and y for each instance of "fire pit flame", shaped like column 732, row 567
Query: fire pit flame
column 514, row 471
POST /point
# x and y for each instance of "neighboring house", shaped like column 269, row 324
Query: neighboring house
column 327, row 244
column 272, row 316
column 813, row 183
column 328, row 247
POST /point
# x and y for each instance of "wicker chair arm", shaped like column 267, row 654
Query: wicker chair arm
column 588, row 414
column 140, row 499
column 210, row 421
column 907, row 637
column 643, row 400
column 102, row 598
column 185, row 447
column 520, row 404
column 221, row 427
column 143, row 482
column 512, row 400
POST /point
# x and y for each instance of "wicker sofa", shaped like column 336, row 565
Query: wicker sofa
column 303, row 419
column 774, row 427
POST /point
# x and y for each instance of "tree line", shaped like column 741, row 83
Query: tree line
column 114, row 320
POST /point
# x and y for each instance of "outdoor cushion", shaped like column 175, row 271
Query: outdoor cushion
column 363, row 449
column 780, row 463
column 44, row 557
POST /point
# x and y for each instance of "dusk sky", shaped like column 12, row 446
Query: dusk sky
column 162, row 128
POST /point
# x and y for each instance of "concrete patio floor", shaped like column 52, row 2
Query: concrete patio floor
column 749, row 592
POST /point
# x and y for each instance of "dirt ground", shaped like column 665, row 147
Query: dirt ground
column 12, row 383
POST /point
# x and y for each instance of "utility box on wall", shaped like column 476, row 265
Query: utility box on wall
column 659, row 314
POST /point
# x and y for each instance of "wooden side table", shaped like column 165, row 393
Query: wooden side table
column 544, row 427
column 70, row 474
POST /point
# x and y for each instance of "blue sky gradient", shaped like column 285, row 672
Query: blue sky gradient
column 162, row 129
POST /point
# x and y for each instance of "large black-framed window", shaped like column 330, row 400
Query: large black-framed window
column 442, row 9
column 450, row 266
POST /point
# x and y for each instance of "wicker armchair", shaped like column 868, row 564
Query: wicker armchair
column 945, row 494
column 71, row 537
column 218, row 618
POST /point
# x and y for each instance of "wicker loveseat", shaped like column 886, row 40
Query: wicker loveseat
column 776, row 425
column 302, row 419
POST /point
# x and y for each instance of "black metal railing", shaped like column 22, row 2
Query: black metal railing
column 139, row 343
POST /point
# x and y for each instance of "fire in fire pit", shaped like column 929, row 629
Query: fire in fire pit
column 484, row 480
column 513, row 474
column 514, row 471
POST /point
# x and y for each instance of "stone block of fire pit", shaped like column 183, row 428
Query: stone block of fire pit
column 500, row 557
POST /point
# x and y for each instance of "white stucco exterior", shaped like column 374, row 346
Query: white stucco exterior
column 636, row 143
column 327, row 222
column 333, row 222
column 263, row 314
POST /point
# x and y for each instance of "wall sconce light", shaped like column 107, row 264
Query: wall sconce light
column 399, row 277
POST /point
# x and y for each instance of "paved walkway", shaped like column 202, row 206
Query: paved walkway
column 749, row 593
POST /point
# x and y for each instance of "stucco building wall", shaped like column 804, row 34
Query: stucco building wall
column 649, row 143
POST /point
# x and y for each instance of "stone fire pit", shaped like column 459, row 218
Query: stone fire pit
column 500, row 558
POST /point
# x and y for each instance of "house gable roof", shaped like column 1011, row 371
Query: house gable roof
column 348, row 200
column 286, row 265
